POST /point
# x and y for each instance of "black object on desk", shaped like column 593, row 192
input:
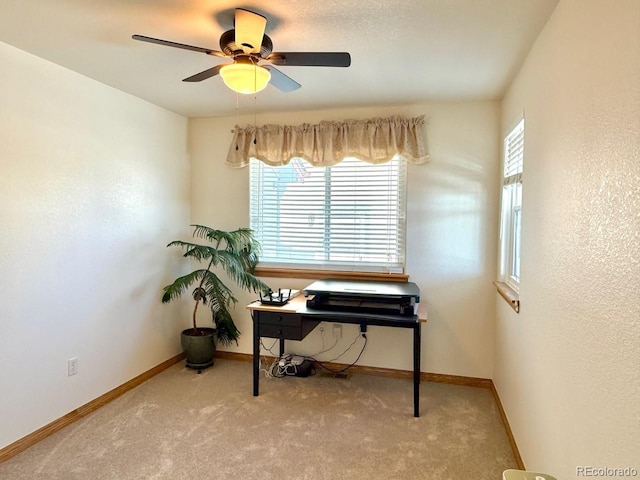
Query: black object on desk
column 273, row 298
column 388, row 304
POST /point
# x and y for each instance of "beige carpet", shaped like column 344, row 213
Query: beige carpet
column 181, row 425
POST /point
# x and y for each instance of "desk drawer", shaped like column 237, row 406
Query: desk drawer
column 288, row 332
column 279, row 331
column 274, row 318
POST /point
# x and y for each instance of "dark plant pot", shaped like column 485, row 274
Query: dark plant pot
column 199, row 347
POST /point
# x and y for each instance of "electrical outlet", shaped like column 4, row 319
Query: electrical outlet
column 321, row 327
column 337, row 331
column 72, row 366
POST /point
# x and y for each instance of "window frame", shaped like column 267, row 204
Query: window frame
column 353, row 268
column 511, row 207
column 508, row 236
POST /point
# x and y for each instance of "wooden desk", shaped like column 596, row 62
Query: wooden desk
column 294, row 321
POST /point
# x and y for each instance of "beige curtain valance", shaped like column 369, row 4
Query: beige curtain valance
column 327, row 143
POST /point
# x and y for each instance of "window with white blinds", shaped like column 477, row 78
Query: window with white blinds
column 350, row 216
column 514, row 154
column 511, row 215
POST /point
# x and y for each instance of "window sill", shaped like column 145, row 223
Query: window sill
column 509, row 294
column 335, row 274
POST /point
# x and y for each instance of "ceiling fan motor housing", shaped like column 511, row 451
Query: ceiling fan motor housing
column 229, row 46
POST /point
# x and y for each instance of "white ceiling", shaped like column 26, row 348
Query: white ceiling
column 402, row 51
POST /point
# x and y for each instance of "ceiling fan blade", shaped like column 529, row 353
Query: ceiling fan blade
column 310, row 59
column 249, row 28
column 281, row 81
column 167, row 43
column 210, row 72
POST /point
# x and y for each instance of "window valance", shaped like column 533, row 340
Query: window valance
column 375, row 140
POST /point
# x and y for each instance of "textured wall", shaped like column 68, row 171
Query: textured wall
column 451, row 230
column 568, row 366
column 93, row 184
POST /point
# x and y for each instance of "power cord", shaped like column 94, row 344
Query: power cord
column 322, row 363
column 276, row 370
column 269, row 371
column 292, row 365
column 323, row 350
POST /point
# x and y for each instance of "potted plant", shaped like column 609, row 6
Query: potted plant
column 234, row 252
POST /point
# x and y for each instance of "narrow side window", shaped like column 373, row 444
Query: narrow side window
column 511, row 215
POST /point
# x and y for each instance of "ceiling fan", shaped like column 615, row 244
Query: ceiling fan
column 253, row 57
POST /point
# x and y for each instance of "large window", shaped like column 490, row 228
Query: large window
column 350, row 216
column 511, row 227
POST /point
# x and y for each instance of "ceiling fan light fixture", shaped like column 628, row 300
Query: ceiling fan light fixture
column 245, row 78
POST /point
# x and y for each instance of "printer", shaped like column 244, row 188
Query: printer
column 359, row 296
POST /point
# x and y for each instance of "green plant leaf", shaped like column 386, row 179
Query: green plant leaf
column 234, row 252
column 226, row 329
column 181, row 284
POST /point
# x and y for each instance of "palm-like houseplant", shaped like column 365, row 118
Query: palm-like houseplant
column 234, row 252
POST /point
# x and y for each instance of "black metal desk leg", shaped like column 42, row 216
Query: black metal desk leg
column 256, row 352
column 416, row 370
column 281, row 347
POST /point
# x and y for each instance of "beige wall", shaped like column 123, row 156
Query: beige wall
column 452, row 226
column 567, row 368
column 93, row 184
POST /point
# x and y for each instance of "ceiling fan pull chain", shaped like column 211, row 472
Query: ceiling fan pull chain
column 237, row 125
column 255, row 104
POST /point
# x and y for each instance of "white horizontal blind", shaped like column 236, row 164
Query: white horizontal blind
column 514, row 155
column 350, row 216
